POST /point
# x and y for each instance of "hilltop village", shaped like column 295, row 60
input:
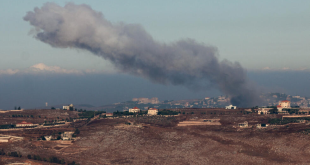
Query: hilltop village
column 268, row 100
column 135, row 135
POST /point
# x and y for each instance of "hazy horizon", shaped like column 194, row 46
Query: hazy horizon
column 34, row 90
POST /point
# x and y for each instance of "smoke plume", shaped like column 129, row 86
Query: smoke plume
column 132, row 50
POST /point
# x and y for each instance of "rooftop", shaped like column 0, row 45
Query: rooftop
column 24, row 122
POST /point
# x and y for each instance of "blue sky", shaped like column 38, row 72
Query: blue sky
column 258, row 34
column 269, row 38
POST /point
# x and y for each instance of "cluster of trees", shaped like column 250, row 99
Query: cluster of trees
column 89, row 114
column 76, row 132
column 279, row 121
column 13, row 154
column 17, row 108
column 52, row 159
column 167, row 112
column 126, row 113
column 2, row 152
column 291, row 111
column 53, row 122
column 7, row 126
column 24, row 116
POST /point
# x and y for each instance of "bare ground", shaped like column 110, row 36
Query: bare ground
column 110, row 141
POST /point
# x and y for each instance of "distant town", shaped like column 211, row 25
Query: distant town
column 65, row 134
column 268, row 100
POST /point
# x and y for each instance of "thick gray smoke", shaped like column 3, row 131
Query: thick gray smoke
column 132, row 50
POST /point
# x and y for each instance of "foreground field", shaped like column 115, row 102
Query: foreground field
column 111, row 141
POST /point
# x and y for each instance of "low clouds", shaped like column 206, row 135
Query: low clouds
column 284, row 69
column 44, row 69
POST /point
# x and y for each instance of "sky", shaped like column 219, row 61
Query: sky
column 258, row 34
column 265, row 37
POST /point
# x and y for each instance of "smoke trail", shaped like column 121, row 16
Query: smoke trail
column 132, row 50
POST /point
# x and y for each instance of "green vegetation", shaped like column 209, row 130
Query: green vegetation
column 273, row 111
column 278, row 121
column 2, row 152
column 89, row 114
column 76, row 132
column 14, row 154
column 50, row 124
column 51, row 159
column 167, row 112
column 7, row 126
column 126, row 113
column 291, row 111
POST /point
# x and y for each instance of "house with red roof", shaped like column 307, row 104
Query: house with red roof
column 152, row 111
column 134, row 110
column 283, row 104
column 25, row 124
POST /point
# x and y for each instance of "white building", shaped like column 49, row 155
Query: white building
column 152, row 111
column 263, row 111
column 243, row 125
column 283, row 104
column 25, row 124
column 67, row 135
column 67, row 107
column 48, row 138
column 231, row 107
column 134, row 110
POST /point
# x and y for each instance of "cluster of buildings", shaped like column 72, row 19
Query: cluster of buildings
column 272, row 99
column 68, row 107
column 64, row 136
column 150, row 111
column 284, row 107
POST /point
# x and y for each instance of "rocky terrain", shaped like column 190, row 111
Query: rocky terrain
column 158, row 140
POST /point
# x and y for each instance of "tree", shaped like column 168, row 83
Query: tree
column 19, row 108
column 72, row 163
column 53, row 108
column 43, row 138
column 15, row 107
column 77, row 131
column 14, row 154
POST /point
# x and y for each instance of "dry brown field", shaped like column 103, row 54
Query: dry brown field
column 38, row 116
column 145, row 141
